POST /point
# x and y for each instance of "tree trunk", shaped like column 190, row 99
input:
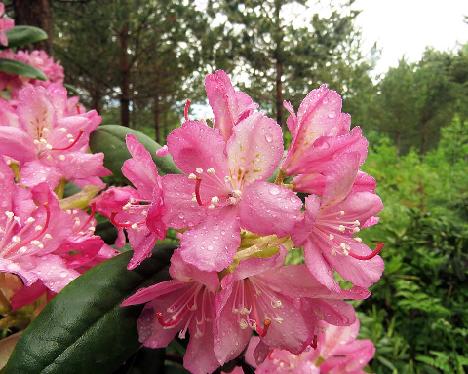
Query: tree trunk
column 125, row 77
column 96, row 99
column 157, row 119
column 278, row 65
column 279, row 93
column 36, row 13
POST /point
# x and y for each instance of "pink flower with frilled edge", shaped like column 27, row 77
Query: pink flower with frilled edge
column 32, row 228
column 48, row 144
column 80, row 251
column 282, row 304
column 42, row 61
column 183, row 304
column 337, row 351
column 224, row 187
column 5, row 25
column 330, row 224
column 320, row 135
column 138, row 210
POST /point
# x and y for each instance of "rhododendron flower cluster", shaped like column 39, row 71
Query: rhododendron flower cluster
column 239, row 205
column 44, row 138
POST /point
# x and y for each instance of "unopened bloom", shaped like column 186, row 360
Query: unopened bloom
column 174, row 307
column 320, row 135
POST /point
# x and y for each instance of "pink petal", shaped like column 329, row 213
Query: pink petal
column 228, row 105
column 317, row 116
column 336, row 312
column 360, row 206
column 211, row 245
column 361, row 273
column 140, row 169
column 181, row 211
column 254, row 149
column 146, row 294
column 318, row 265
column 53, row 272
column 142, row 242
column 184, row 272
column 199, row 358
column 196, row 145
column 28, row 294
column 36, row 172
column 230, row 340
column 79, row 165
column 35, row 110
column 267, row 209
column 150, row 332
column 16, row 144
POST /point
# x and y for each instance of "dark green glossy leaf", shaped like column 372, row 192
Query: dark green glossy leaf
column 110, row 140
column 20, row 36
column 84, row 329
column 18, row 68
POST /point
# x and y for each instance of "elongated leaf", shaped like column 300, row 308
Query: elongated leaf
column 84, row 329
column 18, row 68
column 20, row 36
column 110, row 140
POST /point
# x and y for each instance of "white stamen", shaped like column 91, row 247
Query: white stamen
column 16, row 239
column 38, row 228
column 134, row 226
column 359, row 240
column 341, row 212
column 237, row 193
column 69, row 136
column 192, row 176
column 356, row 229
column 9, row 214
column 30, row 220
column 61, row 157
column 232, row 200
column 211, row 206
column 49, row 146
column 357, row 223
column 199, row 170
column 341, row 228
column 210, row 170
column 331, row 237
column 215, row 200
column 47, row 236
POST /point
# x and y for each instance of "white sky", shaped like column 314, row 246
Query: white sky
column 406, row 27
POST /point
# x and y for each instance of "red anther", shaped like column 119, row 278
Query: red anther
column 197, row 191
column 186, row 109
column 163, row 323
column 262, row 331
column 70, row 145
column 314, row 342
column 375, row 252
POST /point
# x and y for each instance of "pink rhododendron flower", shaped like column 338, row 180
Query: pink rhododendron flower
column 5, row 25
column 138, row 210
column 49, row 144
column 330, row 224
column 224, row 188
column 337, row 351
column 183, row 304
column 32, row 228
column 282, row 304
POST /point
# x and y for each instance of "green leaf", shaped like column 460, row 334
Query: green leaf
column 18, row 68
column 110, row 140
column 20, row 36
column 84, row 329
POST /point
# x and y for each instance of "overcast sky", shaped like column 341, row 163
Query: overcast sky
column 406, row 27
